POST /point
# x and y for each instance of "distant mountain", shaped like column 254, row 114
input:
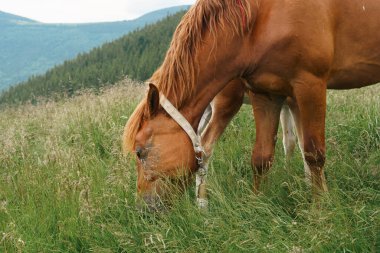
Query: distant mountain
column 136, row 55
column 28, row 47
column 10, row 18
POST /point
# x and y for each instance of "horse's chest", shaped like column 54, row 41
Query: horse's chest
column 268, row 83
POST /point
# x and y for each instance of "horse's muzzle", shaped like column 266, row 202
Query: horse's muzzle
column 150, row 203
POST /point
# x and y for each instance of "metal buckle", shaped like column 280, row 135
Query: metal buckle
column 199, row 160
column 200, row 156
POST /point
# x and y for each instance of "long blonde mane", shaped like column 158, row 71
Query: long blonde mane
column 176, row 78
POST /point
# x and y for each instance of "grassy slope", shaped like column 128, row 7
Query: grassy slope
column 65, row 186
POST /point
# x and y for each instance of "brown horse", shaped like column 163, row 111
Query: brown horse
column 280, row 49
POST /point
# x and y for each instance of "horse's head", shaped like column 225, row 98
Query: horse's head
column 164, row 151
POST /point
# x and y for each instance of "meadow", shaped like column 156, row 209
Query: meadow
column 65, row 185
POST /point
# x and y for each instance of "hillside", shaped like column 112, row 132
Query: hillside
column 7, row 19
column 66, row 187
column 29, row 48
column 137, row 55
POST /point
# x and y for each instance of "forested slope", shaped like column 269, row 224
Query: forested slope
column 28, row 47
column 137, row 55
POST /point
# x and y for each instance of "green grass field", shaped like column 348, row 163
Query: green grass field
column 65, row 186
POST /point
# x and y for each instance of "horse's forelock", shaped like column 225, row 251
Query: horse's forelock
column 133, row 126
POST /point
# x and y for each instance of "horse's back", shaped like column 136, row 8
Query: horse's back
column 335, row 39
column 356, row 44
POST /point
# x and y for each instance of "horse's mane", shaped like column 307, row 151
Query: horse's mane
column 176, row 78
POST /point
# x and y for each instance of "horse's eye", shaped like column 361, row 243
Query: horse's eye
column 139, row 153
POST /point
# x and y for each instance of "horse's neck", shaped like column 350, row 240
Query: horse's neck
column 212, row 78
column 204, row 95
column 220, row 59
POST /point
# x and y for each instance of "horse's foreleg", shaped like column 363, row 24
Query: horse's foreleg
column 225, row 106
column 267, row 111
column 288, row 136
column 310, row 94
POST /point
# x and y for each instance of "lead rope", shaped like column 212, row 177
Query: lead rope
column 200, row 155
column 200, row 184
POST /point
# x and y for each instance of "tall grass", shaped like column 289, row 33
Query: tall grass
column 66, row 187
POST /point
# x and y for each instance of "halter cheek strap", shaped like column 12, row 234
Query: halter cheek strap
column 200, row 155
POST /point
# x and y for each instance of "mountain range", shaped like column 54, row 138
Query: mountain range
column 29, row 48
column 135, row 55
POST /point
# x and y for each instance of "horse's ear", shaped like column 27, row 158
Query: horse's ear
column 153, row 100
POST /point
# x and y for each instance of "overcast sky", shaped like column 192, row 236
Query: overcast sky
column 81, row 11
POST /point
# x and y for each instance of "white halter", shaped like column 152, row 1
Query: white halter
column 200, row 155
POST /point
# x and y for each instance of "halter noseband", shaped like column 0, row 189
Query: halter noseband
column 200, row 155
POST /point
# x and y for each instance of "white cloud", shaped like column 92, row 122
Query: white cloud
column 79, row 11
